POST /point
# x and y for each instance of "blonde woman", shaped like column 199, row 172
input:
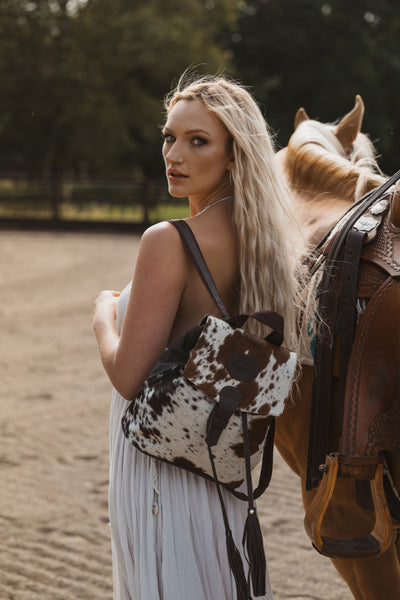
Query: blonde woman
column 167, row 532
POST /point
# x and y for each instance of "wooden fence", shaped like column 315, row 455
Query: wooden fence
column 107, row 204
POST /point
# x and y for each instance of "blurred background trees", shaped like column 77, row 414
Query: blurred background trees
column 82, row 83
column 319, row 54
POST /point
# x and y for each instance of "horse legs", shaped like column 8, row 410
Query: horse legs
column 368, row 579
column 374, row 578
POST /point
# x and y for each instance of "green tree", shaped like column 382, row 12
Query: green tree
column 319, row 54
column 139, row 51
column 82, row 88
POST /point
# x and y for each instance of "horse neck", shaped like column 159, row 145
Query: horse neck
column 323, row 188
column 317, row 214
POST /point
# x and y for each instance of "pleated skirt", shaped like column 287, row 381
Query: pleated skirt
column 167, row 531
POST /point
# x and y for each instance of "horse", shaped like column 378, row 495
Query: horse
column 328, row 167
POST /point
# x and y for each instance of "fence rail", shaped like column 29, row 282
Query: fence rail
column 106, row 204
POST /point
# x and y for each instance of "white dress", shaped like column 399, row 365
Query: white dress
column 179, row 553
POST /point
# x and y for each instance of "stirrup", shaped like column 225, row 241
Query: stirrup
column 371, row 545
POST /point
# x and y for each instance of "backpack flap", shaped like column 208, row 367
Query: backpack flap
column 225, row 356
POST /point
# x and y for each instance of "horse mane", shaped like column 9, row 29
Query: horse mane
column 316, row 161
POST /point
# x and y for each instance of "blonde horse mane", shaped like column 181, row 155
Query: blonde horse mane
column 318, row 163
column 316, row 160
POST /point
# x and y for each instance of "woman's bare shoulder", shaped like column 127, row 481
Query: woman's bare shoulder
column 162, row 232
column 162, row 237
column 162, row 252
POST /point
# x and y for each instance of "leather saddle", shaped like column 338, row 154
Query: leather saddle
column 359, row 300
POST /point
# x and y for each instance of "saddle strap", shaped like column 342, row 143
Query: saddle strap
column 333, row 301
column 328, row 307
column 348, row 298
column 321, row 388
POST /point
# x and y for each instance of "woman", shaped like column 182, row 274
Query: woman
column 167, row 532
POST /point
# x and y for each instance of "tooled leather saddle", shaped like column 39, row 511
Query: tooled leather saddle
column 357, row 372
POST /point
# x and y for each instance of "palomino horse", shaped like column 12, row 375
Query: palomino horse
column 329, row 167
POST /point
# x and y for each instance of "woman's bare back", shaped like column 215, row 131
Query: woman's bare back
column 216, row 237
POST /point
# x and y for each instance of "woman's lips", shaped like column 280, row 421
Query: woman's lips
column 176, row 176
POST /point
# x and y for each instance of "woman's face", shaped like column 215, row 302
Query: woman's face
column 195, row 150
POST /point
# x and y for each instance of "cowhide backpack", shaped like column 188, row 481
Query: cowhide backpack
column 208, row 406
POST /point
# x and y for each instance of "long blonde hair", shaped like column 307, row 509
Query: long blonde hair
column 259, row 210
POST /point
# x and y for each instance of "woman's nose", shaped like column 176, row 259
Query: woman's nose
column 174, row 156
column 174, row 159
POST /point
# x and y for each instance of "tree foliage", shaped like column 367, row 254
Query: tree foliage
column 82, row 82
column 319, row 54
column 82, row 89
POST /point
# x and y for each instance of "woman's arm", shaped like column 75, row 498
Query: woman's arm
column 158, row 282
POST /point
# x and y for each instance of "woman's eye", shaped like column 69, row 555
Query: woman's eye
column 199, row 141
column 167, row 137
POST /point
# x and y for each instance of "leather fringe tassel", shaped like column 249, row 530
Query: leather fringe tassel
column 236, row 565
column 234, row 557
column 252, row 541
column 254, row 548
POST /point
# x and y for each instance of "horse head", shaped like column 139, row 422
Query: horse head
column 328, row 166
column 348, row 127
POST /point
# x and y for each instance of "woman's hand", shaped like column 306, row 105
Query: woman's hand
column 105, row 307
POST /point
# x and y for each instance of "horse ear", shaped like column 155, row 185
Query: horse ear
column 301, row 116
column 350, row 126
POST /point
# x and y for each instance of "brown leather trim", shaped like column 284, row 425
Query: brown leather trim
column 368, row 546
column 373, row 376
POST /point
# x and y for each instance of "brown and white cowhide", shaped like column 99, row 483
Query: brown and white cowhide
column 168, row 418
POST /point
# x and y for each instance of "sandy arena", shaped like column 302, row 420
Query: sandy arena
column 54, row 432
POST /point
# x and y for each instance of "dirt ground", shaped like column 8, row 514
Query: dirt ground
column 54, row 406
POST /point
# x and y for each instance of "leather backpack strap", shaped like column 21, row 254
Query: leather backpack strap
column 193, row 248
column 266, row 466
column 267, row 317
column 273, row 320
